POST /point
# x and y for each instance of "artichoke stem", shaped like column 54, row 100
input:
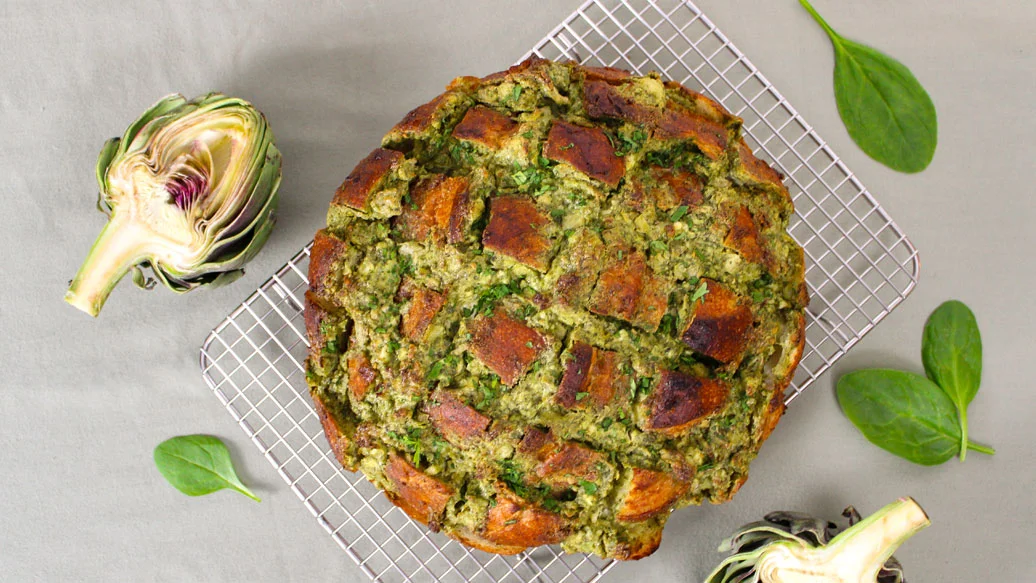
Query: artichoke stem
column 117, row 249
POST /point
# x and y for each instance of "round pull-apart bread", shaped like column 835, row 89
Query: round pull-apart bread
column 557, row 303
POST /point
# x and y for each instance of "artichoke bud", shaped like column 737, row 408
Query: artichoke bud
column 190, row 190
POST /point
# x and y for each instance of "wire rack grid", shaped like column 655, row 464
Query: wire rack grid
column 860, row 266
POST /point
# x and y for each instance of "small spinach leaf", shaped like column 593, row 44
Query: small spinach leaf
column 197, row 465
column 951, row 350
column 883, row 106
column 903, row 413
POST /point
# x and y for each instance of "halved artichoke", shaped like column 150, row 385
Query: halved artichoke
column 190, row 190
column 788, row 547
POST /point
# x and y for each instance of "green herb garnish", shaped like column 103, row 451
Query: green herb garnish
column 411, row 441
column 489, row 391
column 435, row 371
column 699, row 292
column 678, row 213
column 632, row 142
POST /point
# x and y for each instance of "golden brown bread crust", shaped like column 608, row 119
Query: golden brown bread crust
column 605, row 73
column 650, row 494
column 567, row 464
column 710, row 136
column 603, row 100
column 424, row 305
column 592, row 377
column 485, row 126
column 515, row 229
column 356, row 190
column 336, row 436
column 419, row 118
column 315, row 313
column 680, row 400
column 630, row 291
column 361, row 376
column 586, row 149
column 582, row 258
column 326, row 251
column 639, row 548
column 505, row 345
column 438, row 210
column 720, row 325
column 513, row 522
column 744, row 237
column 456, row 421
column 416, row 379
column 422, row 497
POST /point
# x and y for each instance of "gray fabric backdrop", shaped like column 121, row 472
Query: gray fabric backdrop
column 84, row 402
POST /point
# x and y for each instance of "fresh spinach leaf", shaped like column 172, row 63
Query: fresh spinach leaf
column 883, row 106
column 951, row 350
column 197, row 465
column 903, row 413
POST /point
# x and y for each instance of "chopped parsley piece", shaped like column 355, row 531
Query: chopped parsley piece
column 588, row 486
column 519, row 177
column 629, row 143
column 606, row 422
column 513, row 476
column 641, row 386
column 668, row 324
column 411, row 441
column 581, row 396
column 699, row 292
column 436, row 371
column 489, row 391
column 525, row 311
column 331, row 346
column 678, row 213
column 487, row 299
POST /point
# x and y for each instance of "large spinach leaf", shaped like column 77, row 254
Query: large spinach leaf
column 197, row 465
column 903, row 413
column 951, row 350
column 883, row 106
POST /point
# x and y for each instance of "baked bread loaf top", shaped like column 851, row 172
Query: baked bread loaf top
column 555, row 304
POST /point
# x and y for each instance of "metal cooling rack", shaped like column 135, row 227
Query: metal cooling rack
column 860, row 266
